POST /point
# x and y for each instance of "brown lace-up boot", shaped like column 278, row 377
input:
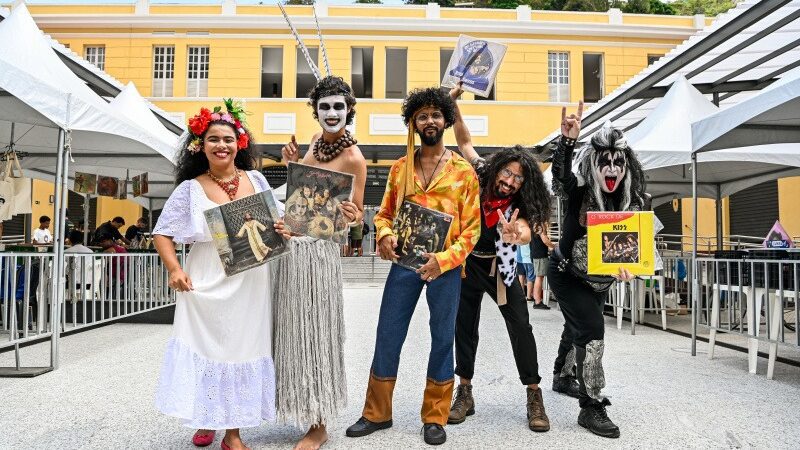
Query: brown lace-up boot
column 463, row 404
column 537, row 418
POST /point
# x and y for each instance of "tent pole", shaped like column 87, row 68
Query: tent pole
column 55, row 307
column 719, row 217
column 694, row 299
column 87, row 201
column 150, row 215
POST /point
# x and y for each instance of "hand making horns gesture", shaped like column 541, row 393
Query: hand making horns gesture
column 510, row 232
column 571, row 125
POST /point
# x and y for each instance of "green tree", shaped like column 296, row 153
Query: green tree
column 372, row 2
column 444, row 3
column 707, row 7
column 298, row 2
column 585, row 5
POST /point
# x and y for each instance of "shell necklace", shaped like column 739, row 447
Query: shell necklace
column 229, row 186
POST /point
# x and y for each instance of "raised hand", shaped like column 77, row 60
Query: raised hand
column 571, row 125
column 457, row 91
column 510, row 231
column 291, row 151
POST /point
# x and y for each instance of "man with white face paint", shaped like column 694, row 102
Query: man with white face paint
column 310, row 391
column 609, row 178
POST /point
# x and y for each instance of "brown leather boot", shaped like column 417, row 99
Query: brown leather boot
column 537, row 418
column 463, row 404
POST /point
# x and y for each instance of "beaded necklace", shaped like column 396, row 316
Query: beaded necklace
column 229, row 186
column 325, row 152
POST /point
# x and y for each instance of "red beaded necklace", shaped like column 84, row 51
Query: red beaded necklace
column 229, row 186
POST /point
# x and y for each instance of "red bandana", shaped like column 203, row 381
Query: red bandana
column 490, row 208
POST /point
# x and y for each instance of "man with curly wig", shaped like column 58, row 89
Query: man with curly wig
column 439, row 179
column 311, row 387
column 513, row 199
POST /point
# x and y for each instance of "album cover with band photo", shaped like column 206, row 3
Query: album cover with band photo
column 313, row 199
column 419, row 230
column 244, row 232
column 475, row 63
column 621, row 239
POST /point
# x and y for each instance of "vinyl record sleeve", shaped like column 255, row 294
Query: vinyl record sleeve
column 419, row 230
column 620, row 239
column 313, row 199
column 244, row 233
column 475, row 62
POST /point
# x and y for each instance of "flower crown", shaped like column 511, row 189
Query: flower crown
column 235, row 116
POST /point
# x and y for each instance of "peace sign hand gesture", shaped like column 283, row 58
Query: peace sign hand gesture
column 571, row 125
column 510, row 232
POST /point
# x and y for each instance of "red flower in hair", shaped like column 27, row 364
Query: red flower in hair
column 243, row 141
column 199, row 123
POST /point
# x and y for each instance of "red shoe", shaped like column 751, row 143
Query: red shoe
column 203, row 440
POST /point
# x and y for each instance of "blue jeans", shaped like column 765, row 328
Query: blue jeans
column 400, row 294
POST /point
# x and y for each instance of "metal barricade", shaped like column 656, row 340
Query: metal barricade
column 755, row 298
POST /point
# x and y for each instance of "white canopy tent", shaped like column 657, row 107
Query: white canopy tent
column 50, row 116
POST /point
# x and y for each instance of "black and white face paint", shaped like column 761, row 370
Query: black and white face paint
column 609, row 168
column 332, row 113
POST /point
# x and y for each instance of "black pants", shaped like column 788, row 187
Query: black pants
column 515, row 313
column 584, row 329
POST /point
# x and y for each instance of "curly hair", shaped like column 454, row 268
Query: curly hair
column 532, row 198
column 191, row 165
column 435, row 97
column 332, row 85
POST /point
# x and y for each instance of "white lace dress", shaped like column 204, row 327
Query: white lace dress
column 218, row 371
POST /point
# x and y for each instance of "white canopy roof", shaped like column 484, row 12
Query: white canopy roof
column 45, row 96
column 771, row 116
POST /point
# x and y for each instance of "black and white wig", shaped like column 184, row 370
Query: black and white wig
column 630, row 195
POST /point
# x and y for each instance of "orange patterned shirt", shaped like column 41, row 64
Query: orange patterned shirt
column 454, row 191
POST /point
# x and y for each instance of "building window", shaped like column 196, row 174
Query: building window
column 305, row 77
column 592, row 77
column 272, row 72
column 197, row 72
column 558, row 76
column 163, row 70
column 490, row 96
column 653, row 58
column 396, row 72
column 444, row 59
column 361, row 72
column 96, row 55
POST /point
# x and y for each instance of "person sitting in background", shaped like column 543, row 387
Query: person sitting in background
column 42, row 234
column 76, row 238
column 135, row 233
column 111, row 229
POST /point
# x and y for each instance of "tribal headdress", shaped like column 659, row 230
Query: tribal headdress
column 234, row 115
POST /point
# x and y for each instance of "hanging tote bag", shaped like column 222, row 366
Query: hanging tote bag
column 6, row 193
column 22, row 187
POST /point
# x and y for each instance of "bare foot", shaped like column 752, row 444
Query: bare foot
column 313, row 440
column 235, row 443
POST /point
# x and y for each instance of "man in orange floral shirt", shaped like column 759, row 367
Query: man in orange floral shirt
column 436, row 178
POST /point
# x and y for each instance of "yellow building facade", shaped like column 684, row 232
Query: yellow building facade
column 183, row 57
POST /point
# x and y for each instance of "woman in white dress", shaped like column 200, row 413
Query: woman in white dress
column 218, row 371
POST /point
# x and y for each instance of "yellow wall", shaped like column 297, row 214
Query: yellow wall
column 40, row 196
column 108, row 208
column 788, row 195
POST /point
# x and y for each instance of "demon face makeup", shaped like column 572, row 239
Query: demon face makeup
column 609, row 169
column 332, row 113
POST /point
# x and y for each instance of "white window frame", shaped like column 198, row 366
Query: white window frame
column 163, row 70
column 198, row 58
column 558, row 76
column 96, row 54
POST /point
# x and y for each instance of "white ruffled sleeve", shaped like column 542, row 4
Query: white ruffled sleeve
column 182, row 218
column 263, row 185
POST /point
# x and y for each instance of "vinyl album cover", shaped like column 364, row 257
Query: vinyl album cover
column 122, row 190
column 143, row 184
column 621, row 239
column 475, row 62
column 778, row 237
column 419, row 230
column 244, row 232
column 136, row 185
column 85, row 183
column 107, row 186
column 313, row 199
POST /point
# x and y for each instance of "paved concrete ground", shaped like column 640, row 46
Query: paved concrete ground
column 102, row 395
